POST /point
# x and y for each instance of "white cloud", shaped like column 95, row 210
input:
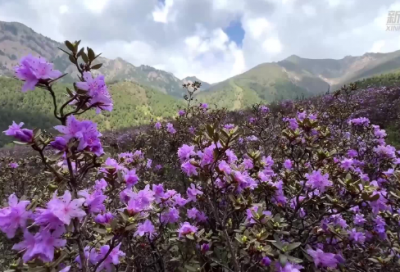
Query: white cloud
column 96, row 6
column 186, row 37
column 309, row 10
column 272, row 45
column 63, row 9
column 257, row 27
column 162, row 12
column 377, row 46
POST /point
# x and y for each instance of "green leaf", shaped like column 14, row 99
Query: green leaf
column 71, row 59
column 283, row 259
column 91, row 54
column 190, row 236
column 130, row 227
column 19, row 143
column 97, row 66
column 374, row 197
column 293, row 246
column 84, row 57
column 190, row 268
column 69, row 45
column 99, row 230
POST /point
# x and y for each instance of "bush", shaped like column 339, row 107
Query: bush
column 311, row 186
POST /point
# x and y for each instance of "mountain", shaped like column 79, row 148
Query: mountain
column 18, row 40
column 296, row 77
column 263, row 84
column 134, row 105
column 346, row 70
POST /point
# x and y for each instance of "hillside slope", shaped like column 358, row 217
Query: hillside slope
column 133, row 105
column 264, row 83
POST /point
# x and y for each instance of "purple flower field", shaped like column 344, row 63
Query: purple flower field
column 309, row 185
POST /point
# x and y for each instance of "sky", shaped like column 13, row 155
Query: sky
column 212, row 39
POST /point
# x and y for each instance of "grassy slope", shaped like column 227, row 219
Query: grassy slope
column 133, row 105
column 263, row 84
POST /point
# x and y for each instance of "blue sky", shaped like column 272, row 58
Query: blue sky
column 235, row 32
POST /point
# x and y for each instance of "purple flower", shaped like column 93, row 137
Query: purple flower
column 231, row 156
column 379, row 204
column 362, row 121
column 229, row 126
column 32, row 69
column 85, row 132
column 170, row 216
column 41, row 245
column 189, row 169
column 94, row 201
column 359, row 219
column 181, row 112
column 141, row 200
column 265, row 261
column 289, row 267
column 19, row 133
column 301, row 115
column 179, row 200
column 248, row 164
column 13, row 165
column 385, row 151
column 14, row 216
column 112, row 258
column 288, row 164
column 170, row 128
column 192, row 130
column 224, row 167
column 111, row 166
column 347, row 164
column 208, row 155
column 205, row 247
column 131, row 178
column 292, row 123
column 192, row 213
column 145, row 228
column 97, row 90
column 185, row 151
column 148, row 163
column 186, row 229
column 264, row 109
column 356, row 236
column 352, row 153
column 380, row 225
column 59, row 143
column 100, row 185
column 204, row 105
column 60, row 210
column 316, row 180
column 323, row 259
column 157, row 125
column 192, row 192
column 104, row 218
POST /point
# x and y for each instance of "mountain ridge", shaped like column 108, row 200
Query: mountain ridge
column 18, row 40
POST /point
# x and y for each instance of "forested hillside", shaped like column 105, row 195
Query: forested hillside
column 133, row 105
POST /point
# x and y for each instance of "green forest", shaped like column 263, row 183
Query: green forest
column 133, row 105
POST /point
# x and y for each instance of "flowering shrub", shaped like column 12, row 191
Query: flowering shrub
column 288, row 191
